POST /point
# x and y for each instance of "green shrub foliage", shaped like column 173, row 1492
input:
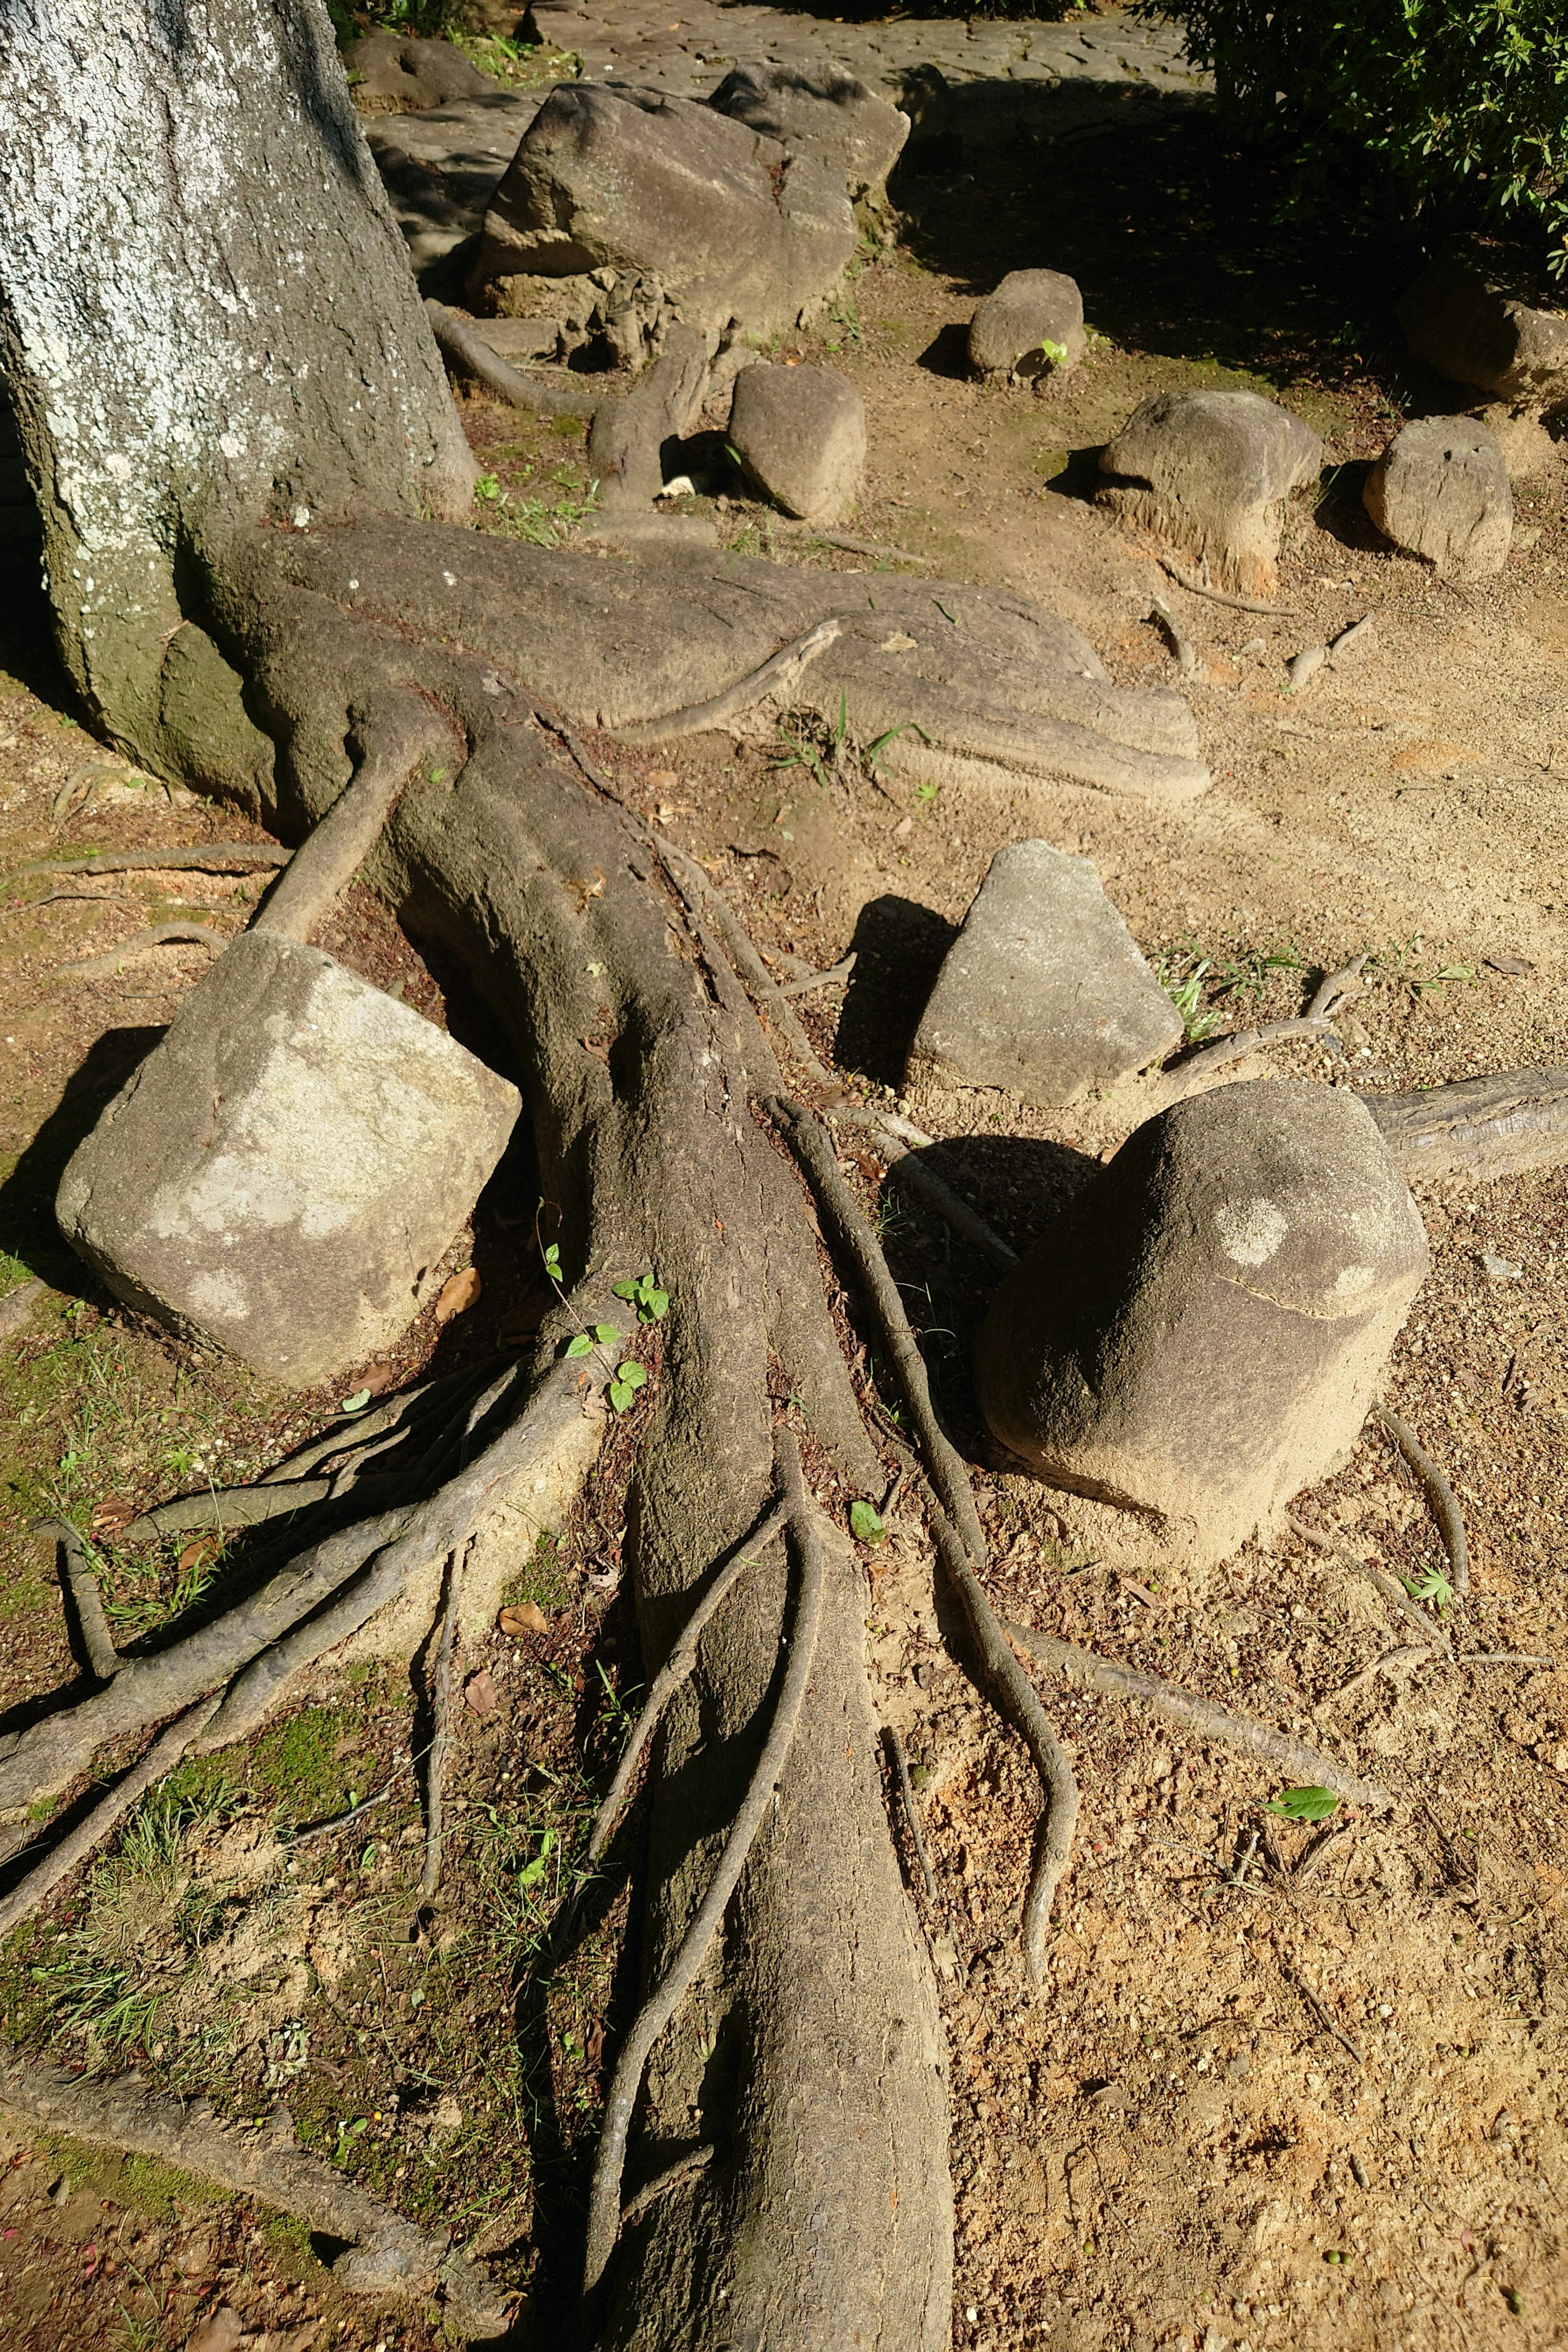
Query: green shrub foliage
column 1462, row 103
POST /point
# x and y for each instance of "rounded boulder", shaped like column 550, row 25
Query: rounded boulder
column 800, row 436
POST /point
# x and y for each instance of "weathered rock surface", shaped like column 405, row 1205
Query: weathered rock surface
column 1209, row 472
column 391, row 76
column 1044, row 991
column 855, row 136
column 441, row 167
column 288, row 1163
column 742, row 234
column 1199, row 1334
column 1468, row 315
column 1441, row 489
column 799, row 433
column 1030, row 309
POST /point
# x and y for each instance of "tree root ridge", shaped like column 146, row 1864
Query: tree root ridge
column 385, row 2256
column 1439, row 1496
column 103, row 1657
column 1200, row 1716
column 659, row 2007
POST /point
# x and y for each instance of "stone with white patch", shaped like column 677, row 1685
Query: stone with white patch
column 287, row 1164
column 1199, row 1334
column 1044, row 991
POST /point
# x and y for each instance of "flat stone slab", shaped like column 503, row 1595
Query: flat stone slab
column 1044, row 991
column 442, row 166
column 287, row 1164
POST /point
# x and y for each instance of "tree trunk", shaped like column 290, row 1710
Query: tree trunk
column 206, row 322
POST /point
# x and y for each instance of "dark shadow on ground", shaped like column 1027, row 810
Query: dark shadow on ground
column 27, row 1227
column 898, row 947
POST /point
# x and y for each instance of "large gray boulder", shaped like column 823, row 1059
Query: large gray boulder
column 1209, row 473
column 287, row 1164
column 743, row 237
column 441, row 166
column 1032, row 326
column 820, row 112
column 1468, row 315
column 1200, row 1333
column 1441, row 489
column 800, row 434
column 1044, row 991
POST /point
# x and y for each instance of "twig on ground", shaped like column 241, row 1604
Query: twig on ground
column 1218, row 595
column 457, row 338
column 160, row 935
column 1500, row 1658
column 604, row 2196
column 778, row 675
column 441, row 1730
column 384, row 2256
column 833, row 976
column 684, row 2168
column 17, row 1307
column 209, row 858
column 1390, row 1587
column 1439, row 1496
column 1334, row 988
column 88, row 1834
column 960, row 1537
column 87, row 1600
column 338, row 1821
column 674, row 1672
column 1317, row 2010
column 1186, row 658
column 906, row 1790
column 1409, row 1653
column 1201, row 1716
column 811, row 531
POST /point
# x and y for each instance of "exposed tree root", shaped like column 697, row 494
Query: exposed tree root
column 160, row 935
column 777, row 676
column 604, row 2196
column 385, row 2256
column 673, row 1673
column 473, row 354
column 1219, row 595
column 1391, row 1589
column 900, row 1763
column 87, row 1600
column 1200, row 1716
column 441, row 1727
column 1439, row 1496
column 208, row 858
column 61, row 1860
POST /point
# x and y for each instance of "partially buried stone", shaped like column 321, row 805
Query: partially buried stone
column 287, row 1164
column 1199, row 1334
column 1441, row 489
column 1209, row 472
column 1044, row 991
column 800, row 434
column 1031, row 326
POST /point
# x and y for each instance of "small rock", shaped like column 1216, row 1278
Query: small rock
column 1044, row 991
column 1209, row 472
column 799, row 433
column 1441, row 489
column 1199, row 1334
column 1031, row 326
column 480, row 1690
column 1239, row 2068
column 447, row 2115
column 220, row 2331
column 287, row 1162
column 1500, row 1269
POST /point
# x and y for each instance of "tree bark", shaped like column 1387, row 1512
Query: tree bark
column 206, row 322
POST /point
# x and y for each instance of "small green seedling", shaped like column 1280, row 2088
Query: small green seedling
column 533, row 1872
column 1056, row 352
column 629, row 1378
column 866, row 1523
column 1304, row 1804
column 1430, row 1585
column 357, row 1402
column 874, row 750
column 651, row 1303
column 582, row 1343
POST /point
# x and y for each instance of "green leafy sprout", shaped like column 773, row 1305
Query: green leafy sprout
column 866, row 1523
column 1304, row 1804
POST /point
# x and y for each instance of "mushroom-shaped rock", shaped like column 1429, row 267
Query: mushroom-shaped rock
column 1044, row 991
column 820, row 112
column 1441, row 489
column 1209, row 473
column 1032, row 325
column 288, row 1163
column 741, row 235
column 1201, row 1332
column 389, row 76
column 799, row 433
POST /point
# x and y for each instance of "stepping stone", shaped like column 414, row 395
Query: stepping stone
column 1200, row 1333
column 800, row 434
column 1019, row 331
column 1441, row 489
column 1209, row 473
column 287, row 1164
column 1044, row 991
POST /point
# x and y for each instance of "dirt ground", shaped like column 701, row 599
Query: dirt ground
column 1316, row 2100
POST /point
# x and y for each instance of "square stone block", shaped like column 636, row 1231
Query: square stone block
column 287, row 1164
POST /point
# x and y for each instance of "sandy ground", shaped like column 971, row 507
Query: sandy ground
column 1316, row 2102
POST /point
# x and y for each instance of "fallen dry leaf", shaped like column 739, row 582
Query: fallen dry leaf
column 458, row 1293
column 1514, row 966
column 197, row 1554
column 379, row 1378
column 480, row 1692
column 527, row 1617
column 663, row 779
column 112, row 1513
